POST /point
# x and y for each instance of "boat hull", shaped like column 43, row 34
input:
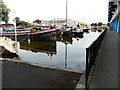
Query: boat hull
column 5, row 52
column 58, row 32
column 65, row 32
column 85, row 30
column 77, row 33
column 48, row 35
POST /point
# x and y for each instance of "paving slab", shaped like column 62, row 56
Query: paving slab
column 17, row 75
column 105, row 73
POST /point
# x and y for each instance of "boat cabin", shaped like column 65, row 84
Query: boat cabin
column 7, row 26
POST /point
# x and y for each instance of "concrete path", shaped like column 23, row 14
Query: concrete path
column 17, row 75
column 105, row 73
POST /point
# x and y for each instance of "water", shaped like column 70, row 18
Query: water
column 66, row 53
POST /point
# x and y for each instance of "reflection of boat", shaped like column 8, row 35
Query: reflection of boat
column 78, row 36
column 77, row 32
column 94, row 29
column 33, row 36
column 64, row 39
column 13, row 56
column 48, row 47
column 85, row 29
column 99, row 29
column 8, row 47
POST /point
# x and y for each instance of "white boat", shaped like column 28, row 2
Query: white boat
column 8, row 46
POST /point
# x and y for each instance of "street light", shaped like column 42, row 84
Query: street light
column 1, row 21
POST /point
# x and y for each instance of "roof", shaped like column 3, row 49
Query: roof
column 7, row 24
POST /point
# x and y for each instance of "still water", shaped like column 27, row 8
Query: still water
column 66, row 52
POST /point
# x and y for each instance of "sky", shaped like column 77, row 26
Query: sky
column 86, row 11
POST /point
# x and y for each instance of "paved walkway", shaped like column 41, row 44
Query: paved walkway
column 105, row 73
column 17, row 75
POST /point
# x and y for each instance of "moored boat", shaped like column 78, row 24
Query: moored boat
column 8, row 46
column 41, row 35
column 66, row 31
column 77, row 32
column 85, row 29
column 17, row 30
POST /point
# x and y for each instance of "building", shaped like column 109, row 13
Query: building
column 54, row 22
column 114, row 15
column 37, row 21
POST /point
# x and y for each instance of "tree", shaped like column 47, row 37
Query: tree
column 82, row 24
column 100, row 23
column 17, row 19
column 108, row 24
column 94, row 24
column 4, row 12
column 21, row 23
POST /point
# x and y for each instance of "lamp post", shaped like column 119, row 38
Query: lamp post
column 66, row 12
column 15, row 33
column 1, row 21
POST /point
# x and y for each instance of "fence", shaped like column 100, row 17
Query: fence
column 91, row 54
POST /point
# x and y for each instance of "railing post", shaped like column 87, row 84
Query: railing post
column 86, row 73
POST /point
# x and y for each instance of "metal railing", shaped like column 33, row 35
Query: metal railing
column 91, row 54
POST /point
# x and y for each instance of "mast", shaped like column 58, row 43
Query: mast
column 66, row 12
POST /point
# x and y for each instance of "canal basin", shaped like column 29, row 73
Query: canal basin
column 66, row 55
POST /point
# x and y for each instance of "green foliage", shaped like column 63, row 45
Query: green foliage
column 100, row 23
column 94, row 24
column 17, row 19
column 82, row 24
column 108, row 24
column 21, row 23
column 4, row 12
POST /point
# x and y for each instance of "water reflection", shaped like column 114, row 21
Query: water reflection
column 78, row 37
column 43, row 47
column 12, row 56
column 66, row 52
column 65, row 39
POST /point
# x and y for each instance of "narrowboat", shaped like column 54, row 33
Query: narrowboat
column 36, row 35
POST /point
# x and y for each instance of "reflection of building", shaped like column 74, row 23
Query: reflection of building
column 114, row 15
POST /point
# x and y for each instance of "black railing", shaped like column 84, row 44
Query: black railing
column 91, row 54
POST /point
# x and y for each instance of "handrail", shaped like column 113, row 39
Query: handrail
column 91, row 54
